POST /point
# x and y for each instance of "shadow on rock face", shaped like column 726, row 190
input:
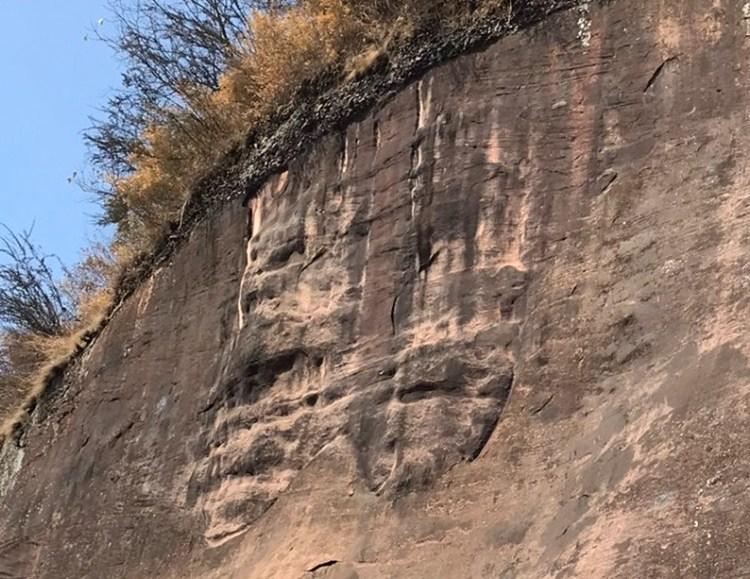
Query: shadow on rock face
column 441, row 409
column 406, row 427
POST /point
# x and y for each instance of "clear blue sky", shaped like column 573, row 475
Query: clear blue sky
column 53, row 79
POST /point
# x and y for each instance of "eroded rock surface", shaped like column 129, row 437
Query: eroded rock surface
column 374, row 310
column 495, row 329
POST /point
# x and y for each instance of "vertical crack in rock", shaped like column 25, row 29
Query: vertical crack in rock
column 424, row 103
column 376, row 136
column 421, row 174
column 344, row 166
column 394, row 305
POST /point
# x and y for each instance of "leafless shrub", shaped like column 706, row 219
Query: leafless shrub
column 30, row 299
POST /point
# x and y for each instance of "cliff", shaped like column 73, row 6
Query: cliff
column 492, row 329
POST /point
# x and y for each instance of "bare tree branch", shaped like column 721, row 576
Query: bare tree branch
column 174, row 52
column 30, row 300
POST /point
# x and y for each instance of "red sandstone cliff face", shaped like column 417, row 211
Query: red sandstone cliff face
column 493, row 330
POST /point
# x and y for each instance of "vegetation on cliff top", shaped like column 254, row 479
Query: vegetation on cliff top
column 200, row 75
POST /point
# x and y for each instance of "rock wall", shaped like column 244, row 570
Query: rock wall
column 495, row 329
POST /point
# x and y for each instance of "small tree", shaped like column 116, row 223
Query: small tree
column 174, row 53
column 30, row 299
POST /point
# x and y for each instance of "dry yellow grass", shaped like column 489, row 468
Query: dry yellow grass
column 35, row 359
column 53, row 354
